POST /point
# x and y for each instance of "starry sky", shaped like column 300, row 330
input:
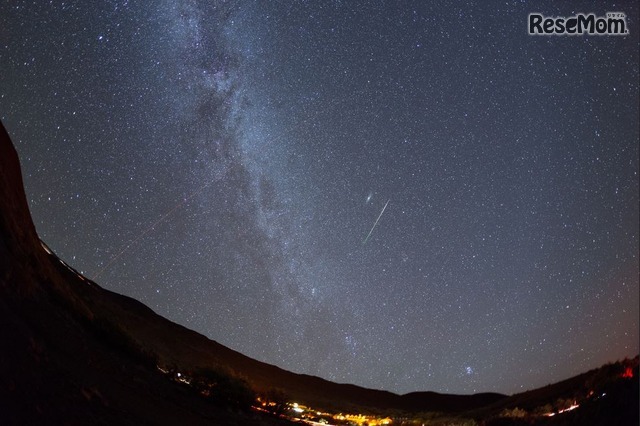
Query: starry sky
column 224, row 163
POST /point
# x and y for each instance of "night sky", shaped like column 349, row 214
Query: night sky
column 225, row 162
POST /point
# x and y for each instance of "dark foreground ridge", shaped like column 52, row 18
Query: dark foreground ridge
column 75, row 353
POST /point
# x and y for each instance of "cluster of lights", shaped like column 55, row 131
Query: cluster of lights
column 359, row 419
column 564, row 410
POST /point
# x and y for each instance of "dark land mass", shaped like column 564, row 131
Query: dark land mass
column 72, row 352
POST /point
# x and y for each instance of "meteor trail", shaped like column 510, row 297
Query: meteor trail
column 151, row 228
column 376, row 222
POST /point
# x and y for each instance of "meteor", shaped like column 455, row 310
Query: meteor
column 151, row 228
column 376, row 222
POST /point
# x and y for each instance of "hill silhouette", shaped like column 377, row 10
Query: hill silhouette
column 73, row 352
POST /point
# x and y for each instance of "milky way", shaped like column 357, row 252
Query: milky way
column 223, row 163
